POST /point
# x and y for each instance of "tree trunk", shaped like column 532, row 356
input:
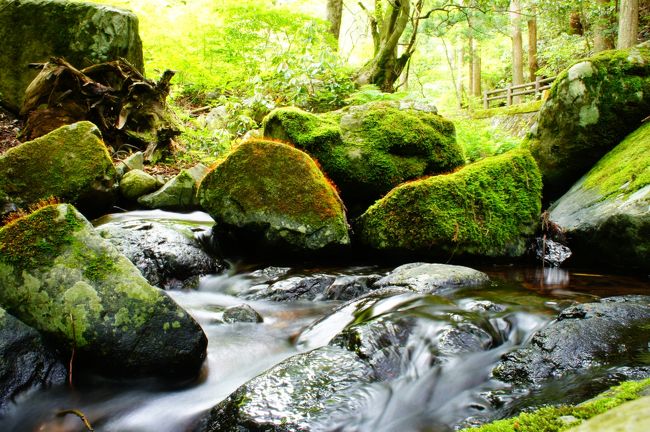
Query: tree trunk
column 532, row 49
column 460, row 90
column 470, row 65
column 476, row 70
column 517, row 46
column 334, row 16
column 628, row 23
column 602, row 41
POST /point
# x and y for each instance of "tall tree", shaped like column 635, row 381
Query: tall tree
column 532, row 46
column 476, row 69
column 602, row 23
column 517, row 45
column 628, row 23
column 334, row 16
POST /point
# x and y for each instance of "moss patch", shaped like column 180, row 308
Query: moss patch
column 548, row 419
column 487, row 208
column 527, row 107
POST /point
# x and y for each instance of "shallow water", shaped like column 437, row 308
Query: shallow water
column 430, row 392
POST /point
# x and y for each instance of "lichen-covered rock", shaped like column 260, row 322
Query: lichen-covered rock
column 369, row 149
column 133, row 162
column 488, row 208
column 606, row 214
column 428, row 278
column 632, row 416
column 25, row 362
column 592, row 106
column 292, row 396
column 178, row 193
column 32, row 31
column 242, row 314
column 591, row 335
column 63, row 279
column 137, row 183
column 70, row 163
column 168, row 255
column 266, row 195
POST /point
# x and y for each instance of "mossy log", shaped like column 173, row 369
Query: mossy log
column 129, row 109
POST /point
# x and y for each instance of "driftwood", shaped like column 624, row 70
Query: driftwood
column 130, row 110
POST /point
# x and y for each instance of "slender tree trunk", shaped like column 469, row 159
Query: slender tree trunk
column 476, row 69
column 450, row 63
column 334, row 16
column 517, row 46
column 460, row 90
column 470, row 65
column 628, row 23
column 532, row 48
column 602, row 41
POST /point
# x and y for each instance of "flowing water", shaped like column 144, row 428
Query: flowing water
column 429, row 391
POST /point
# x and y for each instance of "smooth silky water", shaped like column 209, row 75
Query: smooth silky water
column 431, row 392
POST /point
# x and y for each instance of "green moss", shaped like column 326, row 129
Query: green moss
column 508, row 110
column 625, row 169
column 548, row 419
column 487, row 208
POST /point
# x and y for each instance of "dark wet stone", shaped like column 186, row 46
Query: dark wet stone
column 292, row 396
column 293, row 289
column 350, row 287
column 242, row 313
column 25, row 363
column 552, row 252
column 428, row 278
column 610, row 333
column 167, row 255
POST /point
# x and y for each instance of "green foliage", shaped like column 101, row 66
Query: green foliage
column 558, row 53
column 479, row 139
column 372, row 93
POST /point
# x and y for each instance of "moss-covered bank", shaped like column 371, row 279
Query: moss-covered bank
column 60, row 277
column 488, row 208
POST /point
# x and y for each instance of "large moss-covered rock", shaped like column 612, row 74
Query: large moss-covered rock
column 369, row 149
column 592, row 106
column 606, row 214
column 70, row 163
column 34, row 30
column 272, row 195
column 488, row 208
column 25, row 362
column 62, row 278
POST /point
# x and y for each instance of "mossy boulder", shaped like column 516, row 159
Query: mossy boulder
column 592, row 106
column 488, row 208
column 137, row 183
column 70, row 163
column 178, row 193
column 266, row 195
column 606, row 214
column 369, row 149
column 32, row 31
column 63, row 279
column 25, row 361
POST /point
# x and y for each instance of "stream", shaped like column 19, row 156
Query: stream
column 427, row 391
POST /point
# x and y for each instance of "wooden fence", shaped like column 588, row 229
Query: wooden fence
column 536, row 87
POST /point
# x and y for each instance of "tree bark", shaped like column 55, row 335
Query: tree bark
column 476, row 70
column 532, row 49
column 517, row 46
column 602, row 41
column 460, row 90
column 470, row 65
column 334, row 16
column 628, row 23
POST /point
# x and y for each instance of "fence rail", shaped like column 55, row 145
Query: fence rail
column 510, row 92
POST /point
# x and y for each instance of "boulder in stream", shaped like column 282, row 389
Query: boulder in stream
column 267, row 196
column 58, row 275
column 488, row 208
column 137, row 183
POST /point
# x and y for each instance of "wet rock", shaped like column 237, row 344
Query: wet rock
column 242, row 313
column 269, row 274
column 178, row 193
column 32, row 31
column 292, row 396
column 25, row 363
column 585, row 336
column 136, row 183
column 350, row 287
column 294, row 288
column 167, row 255
column 551, row 252
column 59, row 276
column 428, row 278
column 489, row 208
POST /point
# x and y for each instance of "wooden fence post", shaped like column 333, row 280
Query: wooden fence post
column 486, row 104
column 509, row 94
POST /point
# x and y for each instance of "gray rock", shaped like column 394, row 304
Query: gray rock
column 25, row 363
column 32, row 31
column 350, row 287
column 428, row 278
column 551, row 252
column 243, row 314
column 167, row 255
column 584, row 336
column 179, row 193
column 294, row 288
column 133, row 162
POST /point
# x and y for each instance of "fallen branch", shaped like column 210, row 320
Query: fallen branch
column 79, row 414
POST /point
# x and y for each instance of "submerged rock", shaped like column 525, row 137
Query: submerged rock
column 585, row 336
column 70, row 163
column 606, row 214
column 592, row 106
column 25, row 363
column 292, row 396
column 168, row 255
column 369, row 149
column 270, row 196
column 32, row 31
column 488, row 208
column 62, row 278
